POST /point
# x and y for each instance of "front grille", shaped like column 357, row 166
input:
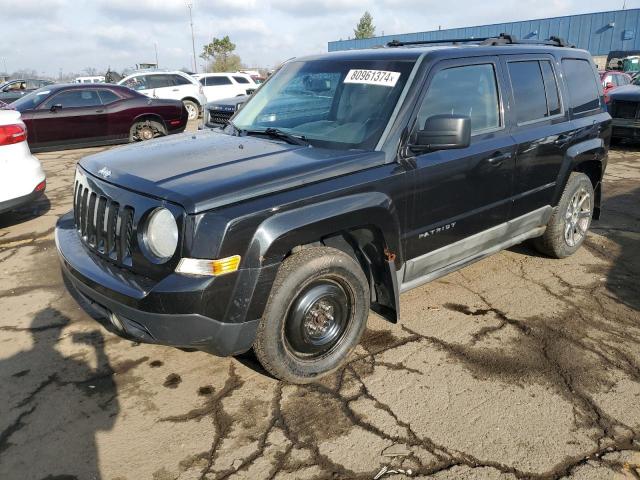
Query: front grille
column 622, row 109
column 220, row 117
column 104, row 225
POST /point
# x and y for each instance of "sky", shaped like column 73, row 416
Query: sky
column 69, row 35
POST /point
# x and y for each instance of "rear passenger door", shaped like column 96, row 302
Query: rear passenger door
column 460, row 195
column 539, row 126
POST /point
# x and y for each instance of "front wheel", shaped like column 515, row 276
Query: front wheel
column 570, row 220
column 192, row 109
column 315, row 315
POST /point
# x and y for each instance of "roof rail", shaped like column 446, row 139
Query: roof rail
column 502, row 39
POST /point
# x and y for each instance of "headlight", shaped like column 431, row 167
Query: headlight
column 161, row 235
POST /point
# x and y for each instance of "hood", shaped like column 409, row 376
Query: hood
column 233, row 101
column 209, row 169
column 626, row 92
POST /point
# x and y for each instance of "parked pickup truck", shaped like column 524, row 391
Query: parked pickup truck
column 282, row 231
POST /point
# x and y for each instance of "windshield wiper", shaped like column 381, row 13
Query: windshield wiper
column 281, row 135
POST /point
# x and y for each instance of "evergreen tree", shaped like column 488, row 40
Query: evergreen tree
column 365, row 28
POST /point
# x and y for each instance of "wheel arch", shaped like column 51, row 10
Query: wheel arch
column 588, row 157
column 192, row 99
column 150, row 116
column 365, row 226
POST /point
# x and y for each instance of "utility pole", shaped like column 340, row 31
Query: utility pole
column 155, row 45
column 4, row 61
column 624, row 4
column 193, row 42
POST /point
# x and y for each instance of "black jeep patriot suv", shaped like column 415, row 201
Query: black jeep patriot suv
column 348, row 178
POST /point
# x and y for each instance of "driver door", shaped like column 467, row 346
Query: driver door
column 74, row 116
column 459, row 195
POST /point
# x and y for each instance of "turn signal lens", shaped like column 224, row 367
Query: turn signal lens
column 10, row 134
column 212, row 268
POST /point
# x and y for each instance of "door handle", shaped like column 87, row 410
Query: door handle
column 498, row 159
column 175, row 90
column 99, row 111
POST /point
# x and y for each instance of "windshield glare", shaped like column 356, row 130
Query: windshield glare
column 30, row 100
column 344, row 105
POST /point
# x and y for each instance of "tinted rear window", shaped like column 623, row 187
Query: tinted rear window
column 581, row 84
column 550, row 88
column 215, row 81
column 528, row 90
column 241, row 79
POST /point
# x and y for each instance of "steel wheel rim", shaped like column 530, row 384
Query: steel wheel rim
column 577, row 217
column 192, row 111
column 317, row 319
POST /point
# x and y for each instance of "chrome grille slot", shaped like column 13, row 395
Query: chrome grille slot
column 219, row 117
column 104, row 225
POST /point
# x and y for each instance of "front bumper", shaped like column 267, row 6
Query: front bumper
column 107, row 290
column 625, row 128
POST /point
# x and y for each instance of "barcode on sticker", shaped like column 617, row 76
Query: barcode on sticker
column 373, row 77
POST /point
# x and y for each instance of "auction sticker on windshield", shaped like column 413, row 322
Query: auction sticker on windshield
column 373, row 77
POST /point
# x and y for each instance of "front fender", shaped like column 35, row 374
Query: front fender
column 280, row 233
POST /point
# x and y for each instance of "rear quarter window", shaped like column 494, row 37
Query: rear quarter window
column 581, row 85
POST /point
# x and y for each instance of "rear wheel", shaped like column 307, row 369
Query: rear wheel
column 315, row 315
column 192, row 109
column 146, row 130
column 570, row 220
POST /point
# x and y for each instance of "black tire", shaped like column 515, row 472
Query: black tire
column 561, row 239
column 193, row 109
column 146, row 130
column 288, row 343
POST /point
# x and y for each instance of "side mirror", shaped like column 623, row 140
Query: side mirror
column 443, row 132
column 609, row 85
column 56, row 107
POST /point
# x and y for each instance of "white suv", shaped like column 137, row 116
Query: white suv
column 169, row 85
column 22, row 179
column 217, row 86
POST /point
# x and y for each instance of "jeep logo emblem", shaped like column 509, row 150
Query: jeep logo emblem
column 104, row 172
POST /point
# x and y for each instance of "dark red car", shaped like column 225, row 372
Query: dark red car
column 87, row 115
column 612, row 79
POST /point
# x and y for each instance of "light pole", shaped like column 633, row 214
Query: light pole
column 155, row 45
column 193, row 42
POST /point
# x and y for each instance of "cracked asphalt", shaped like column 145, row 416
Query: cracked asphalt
column 518, row 366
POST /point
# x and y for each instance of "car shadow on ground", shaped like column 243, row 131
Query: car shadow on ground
column 619, row 226
column 25, row 213
column 61, row 399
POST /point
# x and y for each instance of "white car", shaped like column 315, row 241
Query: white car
column 217, row 86
column 22, row 179
column 169, row 85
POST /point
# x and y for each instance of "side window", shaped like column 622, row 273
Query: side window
column 240, row 79
column 215, row 81
column 551, row 88
column 528, row 91
column 581, row 84
column 74, row 98
column 159, row 81
column 107, row 97
column 179, row 80
column 139, row 82
column 468, row 90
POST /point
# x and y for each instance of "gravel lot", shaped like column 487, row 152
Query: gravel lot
column 518, row 366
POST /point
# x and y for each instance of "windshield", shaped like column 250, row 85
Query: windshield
column 31, row 100
column 344, row 105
